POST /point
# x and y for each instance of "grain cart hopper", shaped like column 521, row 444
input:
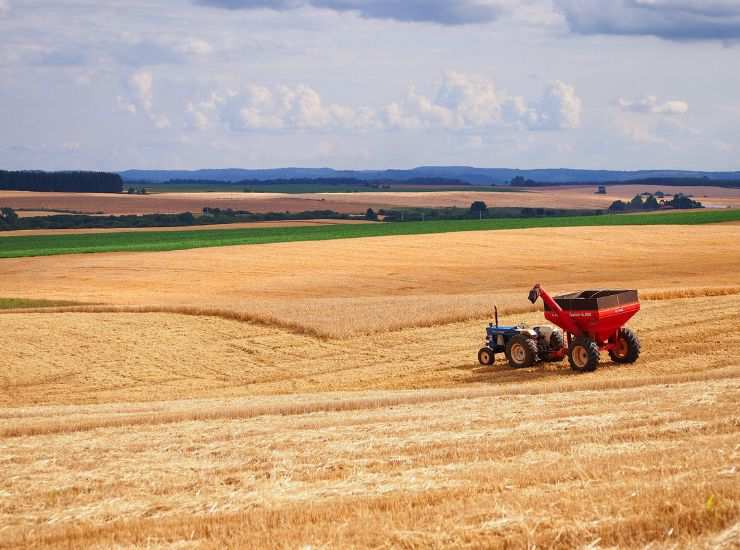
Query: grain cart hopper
column 593, row 321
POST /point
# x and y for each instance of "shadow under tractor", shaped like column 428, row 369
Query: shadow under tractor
column 589, row 322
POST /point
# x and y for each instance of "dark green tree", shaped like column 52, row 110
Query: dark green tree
column 186, row 218
column 617, row 206
column 651, row 203
column 683, row 202
column 72, row 182
column 8, row 218
column 636, row 202
column 478, row 209
column 371, row 215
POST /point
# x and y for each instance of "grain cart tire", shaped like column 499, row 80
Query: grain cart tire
column 628, row 347
column 486, row 356
column 556, row 344
column 521, row 351
column 583, row 354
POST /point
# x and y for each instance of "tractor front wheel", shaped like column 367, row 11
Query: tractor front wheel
column 627, row 348
column 486, row 356
column 521, row 351
column 583, row 355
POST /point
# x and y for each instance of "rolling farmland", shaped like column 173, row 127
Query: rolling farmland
column 327, row 393
column 369, row 275
column 550, row 197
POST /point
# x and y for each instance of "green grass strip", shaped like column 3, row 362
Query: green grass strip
column 152, row 241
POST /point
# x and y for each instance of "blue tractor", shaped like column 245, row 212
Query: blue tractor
column 521, row 345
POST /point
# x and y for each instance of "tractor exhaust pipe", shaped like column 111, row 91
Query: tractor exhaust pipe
column 495, row 314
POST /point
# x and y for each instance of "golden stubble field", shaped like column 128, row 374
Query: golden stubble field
column 345, row 287
column 335, row 400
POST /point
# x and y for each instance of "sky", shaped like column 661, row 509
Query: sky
column 363, row 84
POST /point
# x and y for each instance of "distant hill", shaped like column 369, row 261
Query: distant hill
column 469, row 174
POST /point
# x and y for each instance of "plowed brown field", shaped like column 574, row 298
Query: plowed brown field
column 327, row 395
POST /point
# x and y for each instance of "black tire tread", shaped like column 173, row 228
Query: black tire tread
column 529, row 344
column 633, row 346
column 480, row 358
column 593, row 354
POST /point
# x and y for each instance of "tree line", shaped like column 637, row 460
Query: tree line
column 679, row 202
column 70, row 182
column 9, row 219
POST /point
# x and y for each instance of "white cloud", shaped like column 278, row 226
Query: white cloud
column 71, row 146
column 560, row 108
column 196, row 119
column 637, row 131
column 649, row 121
column 290, row 107
column 461, row 102
column 140, row 98
column 4, row 7
column 198, row 115
column 137, row 52
column 724, row 146
column 650, row 104
column 464, row 102
column 196, row 46
column 140, row 86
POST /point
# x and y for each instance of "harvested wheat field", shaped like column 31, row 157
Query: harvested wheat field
column 484, row 457
column 327, row 395
column 344, row 287
column 570, row 197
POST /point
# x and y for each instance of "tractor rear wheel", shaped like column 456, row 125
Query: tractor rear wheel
column 583, row 354
column 628, row 347
column 486, row 356
column 521, row 351
column 556, row 344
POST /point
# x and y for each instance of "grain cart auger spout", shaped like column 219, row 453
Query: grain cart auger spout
column 593, row 320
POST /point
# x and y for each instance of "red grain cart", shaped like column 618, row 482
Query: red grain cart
column 593, row 321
